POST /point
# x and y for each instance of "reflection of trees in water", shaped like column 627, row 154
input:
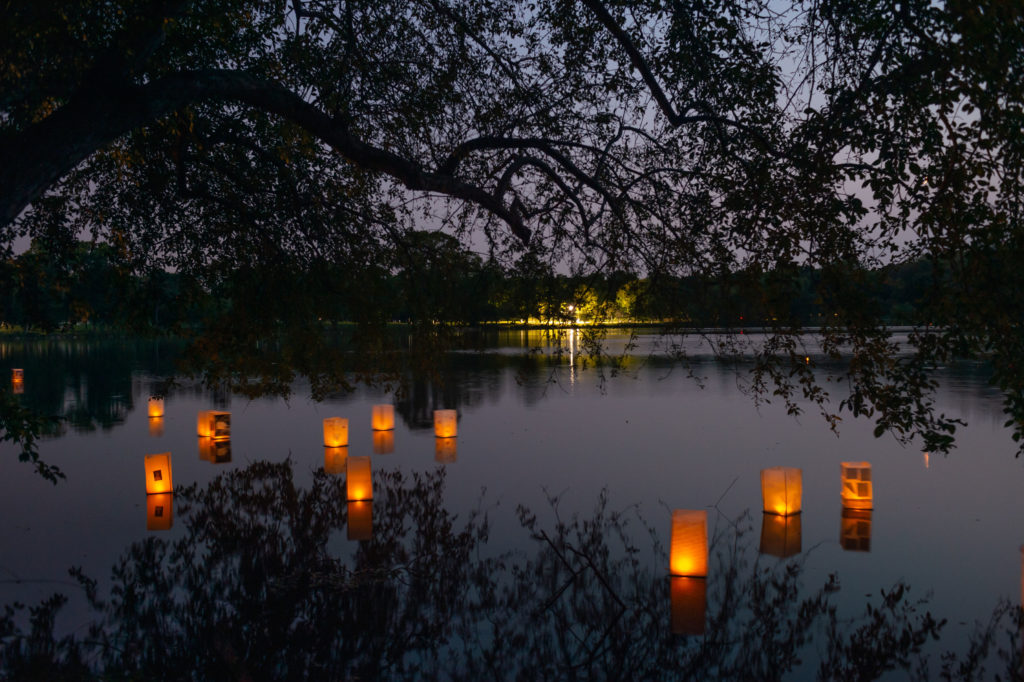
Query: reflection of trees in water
column 87, row 382
column 261, row 585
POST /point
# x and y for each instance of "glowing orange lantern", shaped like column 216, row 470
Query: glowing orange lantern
column 17, row 376
column 360, row 520
column 335, row 432
column 781, row 490
column 780, row 535
column 159, row 511
column 156, row 426
column 214, row 424
column 689, row 605
column 857, row 491
column 155, row 406
column 158, row 474
column 383, row 417
column 688, row 555
column 855, row 530
column 359, row 482
column 383, row 442
column 444, row 450
column 446, row 423
column 335, row 459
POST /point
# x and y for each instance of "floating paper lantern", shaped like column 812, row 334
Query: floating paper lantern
column 689, row 549
column 383, row 417
column 444, row 450
column 155, row 407
column 446, row 423
column 360, row 520
column 335, row 460
column 156, row 426
column 159, row 511
column 17, row 376
column 158, row 474
column 689, row 605
column 383, row 442
column 857, row 491
column 335, row 432
column 214, row 424
column 855, row 530
column 781, row 490
column 359, row 482
column 780, row 535
column 215, row 450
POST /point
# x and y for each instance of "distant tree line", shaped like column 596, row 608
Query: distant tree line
column 433, row 279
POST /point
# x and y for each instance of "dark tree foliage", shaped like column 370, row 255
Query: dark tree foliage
column 707, row 147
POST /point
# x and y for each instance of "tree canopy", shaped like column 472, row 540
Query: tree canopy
column 668, row 139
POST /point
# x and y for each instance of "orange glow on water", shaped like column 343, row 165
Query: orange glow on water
column 383, row 442
column 159, row 511
column 689, row 598
column 360, row 520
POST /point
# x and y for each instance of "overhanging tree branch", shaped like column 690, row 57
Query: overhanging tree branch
column 34, row 159
column 675, row 118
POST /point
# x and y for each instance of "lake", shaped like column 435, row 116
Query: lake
column 533, row 545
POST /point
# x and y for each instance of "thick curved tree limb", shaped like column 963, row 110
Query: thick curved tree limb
column 36, row 158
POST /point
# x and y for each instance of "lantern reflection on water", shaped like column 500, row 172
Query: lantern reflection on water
column 445, row 450
column 158, row 473
column 689, row 599
column 781, row 490
column 214, row 424
column 446, row 423
column 360, row 520
column 781, row 535
column 335, row 432
column 855, row 530
column 383, row 418
column 359, row 482
column 215, row 450
column 857, row 490
column 688, row 555
column 155, row 406
column 335, row 460
column 156, row 426
column 383, row 442
column 159, row 511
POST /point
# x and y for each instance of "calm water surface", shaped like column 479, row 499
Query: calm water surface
column 531, row 428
